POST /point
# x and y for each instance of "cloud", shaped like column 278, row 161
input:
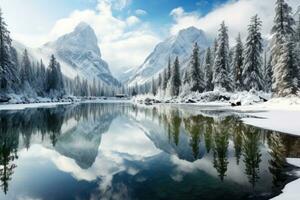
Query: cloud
column 117, row 4
column 132, row 20
column 140, row 12
column 236, row 14
column 123, row 44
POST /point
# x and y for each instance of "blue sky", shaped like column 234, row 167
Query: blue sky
column 39, row 16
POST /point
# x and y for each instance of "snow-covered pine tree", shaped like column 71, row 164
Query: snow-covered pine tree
column 208, row 74
column 7, row 73
column 26, row 70
column 251, row 75
column 238, row 61
column 286, row 71
column 159, row 81
column 221, row 77
column 214, row 49
column 194, row 75
column 267, row 73
column 55, row 83
column 15, row 67
column 165, row 80
column 175, row 81
column 153, row 87
column 169, row 69
column 51, row 75
column 297, row 32
column 60, row 80
column 297, row 48
column 43, row 77
column 281, row 30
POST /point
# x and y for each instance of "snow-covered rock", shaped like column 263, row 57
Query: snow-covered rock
column 180, row 45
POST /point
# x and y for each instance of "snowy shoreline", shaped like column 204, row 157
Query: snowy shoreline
column 22, row 106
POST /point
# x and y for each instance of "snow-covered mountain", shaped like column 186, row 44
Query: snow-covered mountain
column 79, row 54
column 180, row 45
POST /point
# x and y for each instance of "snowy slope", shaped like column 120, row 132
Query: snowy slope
column 180, row 45
column 79, row 54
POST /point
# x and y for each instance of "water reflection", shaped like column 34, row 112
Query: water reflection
column 110, row 149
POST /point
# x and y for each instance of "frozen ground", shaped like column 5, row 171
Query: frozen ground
column 277, row 120
column 279, row 114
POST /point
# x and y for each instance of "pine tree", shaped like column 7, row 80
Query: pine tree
column 286, row 71
column 297, row 39
column 208, row 75
column 26, row 73
column 159, row 81
column 55, row 83
column 153, row 87
column 175, row 82
column 238, row 61
column 214, row 50
column 283, row 21
column 221, row 77
column 165, row 80
column 169, row 70
column 251, row 75
column 42, row 77
column 60, row 80
column 194, row 76
column 51, row 75
column 7, row 73
column 267, row 73
column 281, row 30
column 15, row 67
column 297, row 32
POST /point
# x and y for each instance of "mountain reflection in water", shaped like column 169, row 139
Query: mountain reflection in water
column 123, row 151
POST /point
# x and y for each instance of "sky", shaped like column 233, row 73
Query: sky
column 128, row 30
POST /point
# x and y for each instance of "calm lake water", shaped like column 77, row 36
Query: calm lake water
column 122, row 151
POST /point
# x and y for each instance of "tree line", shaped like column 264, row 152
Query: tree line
column 247, row 66
column 20, row 75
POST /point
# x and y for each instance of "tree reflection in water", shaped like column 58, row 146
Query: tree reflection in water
column 206, row 136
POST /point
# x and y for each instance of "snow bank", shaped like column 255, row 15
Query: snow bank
column 291, row 190
column 217, row 96
column 283, row 104
column 277, row 120
column 31, row 105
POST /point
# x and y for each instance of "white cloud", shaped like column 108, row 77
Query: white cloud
column 236, row 14
column 117, row 4
column 123, row 44
column 132, row 20
column 140, row 12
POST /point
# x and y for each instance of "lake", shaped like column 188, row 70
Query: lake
column 124, row 151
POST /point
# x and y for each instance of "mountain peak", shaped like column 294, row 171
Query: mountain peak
column 192, row 34
column 180, row 45
column 190, row 29
column 80, row 52
column 83, row 38
column 83, row 26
